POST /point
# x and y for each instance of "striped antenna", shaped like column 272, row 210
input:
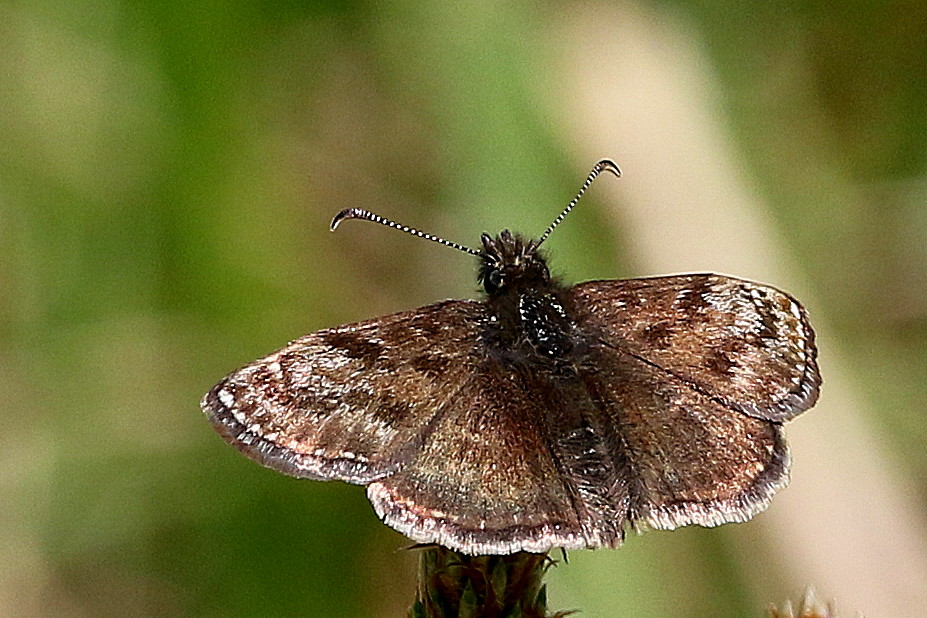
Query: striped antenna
column 605, row 165
column 360, row 213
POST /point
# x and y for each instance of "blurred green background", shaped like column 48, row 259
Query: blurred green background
column 167, row 175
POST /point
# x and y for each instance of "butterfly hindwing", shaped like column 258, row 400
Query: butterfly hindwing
column 690, row 459
column 512, row 463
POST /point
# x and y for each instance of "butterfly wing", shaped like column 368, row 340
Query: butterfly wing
column 663, row 417
column 688, row 458
column 694, row 375
column 746, row 345
column 350, row 403
column 508, row 466
column 456, row 446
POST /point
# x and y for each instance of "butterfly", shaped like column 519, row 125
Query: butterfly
column 544, row 415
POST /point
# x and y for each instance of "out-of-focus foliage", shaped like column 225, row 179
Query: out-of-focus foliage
column 167, row 175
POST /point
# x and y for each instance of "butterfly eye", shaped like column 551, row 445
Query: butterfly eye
column 494, row 281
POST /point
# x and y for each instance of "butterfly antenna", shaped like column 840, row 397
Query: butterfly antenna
column 605, row 165
column 360, row 213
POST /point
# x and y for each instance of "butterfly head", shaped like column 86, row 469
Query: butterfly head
column 509, row 263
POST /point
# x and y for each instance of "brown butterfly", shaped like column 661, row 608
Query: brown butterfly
column 545, row 415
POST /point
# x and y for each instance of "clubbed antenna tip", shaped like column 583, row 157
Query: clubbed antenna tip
column 360, row 213
column 605, row 165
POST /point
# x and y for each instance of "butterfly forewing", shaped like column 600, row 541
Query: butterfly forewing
column 745, row 345
column 350, row 403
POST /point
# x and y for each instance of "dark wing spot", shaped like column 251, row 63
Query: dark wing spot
column 719, row 362
column 736, row 346
column 692, row 306
column 657, row 335
column 767, row 329
column 692, row 300
column 432, row 365
column 397, row 334
column 428, row 328
column 355, row 399
column 353, row 346
column 391, row 412
column 629, row 299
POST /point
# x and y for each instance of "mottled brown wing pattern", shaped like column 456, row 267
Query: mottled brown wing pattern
column 747, row 346
column 508, row 467
column 688, row 458
column 339, row 403
column 525, row 459
column 666, row 412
